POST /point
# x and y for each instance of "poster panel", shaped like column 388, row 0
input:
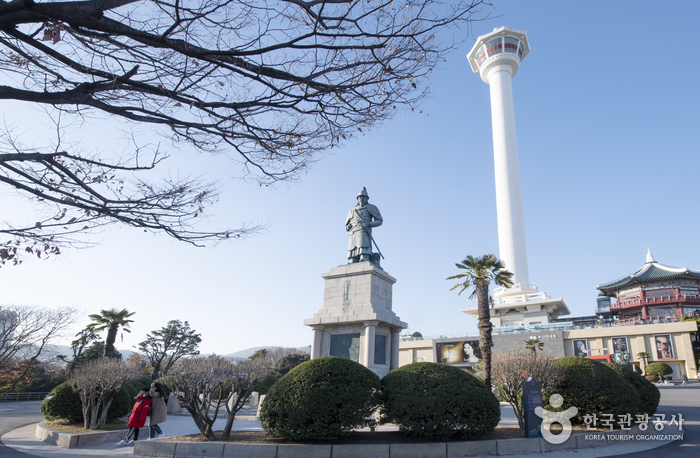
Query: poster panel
column 664, row 346
column 458, row 352
column 581, row 347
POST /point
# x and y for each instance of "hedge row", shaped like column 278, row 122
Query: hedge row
column 326, row 398
column 599, row 389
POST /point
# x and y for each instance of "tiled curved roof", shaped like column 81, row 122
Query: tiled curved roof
column 651, row 271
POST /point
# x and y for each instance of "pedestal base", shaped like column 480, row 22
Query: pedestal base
column 356, row 320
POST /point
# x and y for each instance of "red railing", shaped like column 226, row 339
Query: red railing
column 671, row 298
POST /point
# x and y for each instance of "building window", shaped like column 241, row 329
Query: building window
column 380, row 349
column 494, row 46
column 346, row 346
column 481, row 55
column 511, row 45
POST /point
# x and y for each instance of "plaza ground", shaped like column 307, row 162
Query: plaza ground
column 18, row 420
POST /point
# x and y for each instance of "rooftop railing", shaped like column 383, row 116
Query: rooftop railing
column 669, row 298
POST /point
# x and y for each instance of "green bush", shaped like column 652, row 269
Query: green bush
column 593, row 388
column 638, row 370
column 62, row 402
column 654, row 368
column 124, row 401
column 437, row 401
column 649, row 394
column 320, row 400
column 265, row 384
column 289, row 362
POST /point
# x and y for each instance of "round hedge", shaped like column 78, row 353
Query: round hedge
column 654, row 368
column 437, row 401
column 649, row 394
column 64, row 403
column 593, row 388
column 264, row 385
column 320, row 400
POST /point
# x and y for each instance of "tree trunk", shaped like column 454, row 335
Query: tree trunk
column 111, row 338
column 106, row 403
column 199, row 420
column 238, row 405
column 485, row 343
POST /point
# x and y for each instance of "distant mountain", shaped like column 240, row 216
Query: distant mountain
column 244, row 354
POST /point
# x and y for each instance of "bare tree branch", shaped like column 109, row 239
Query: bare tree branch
column 26, row 332
column 270, row 83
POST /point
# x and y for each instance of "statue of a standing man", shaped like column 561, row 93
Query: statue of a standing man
column 360, row 221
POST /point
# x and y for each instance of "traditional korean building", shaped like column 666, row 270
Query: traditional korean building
column 638, row 314
column 653, row 293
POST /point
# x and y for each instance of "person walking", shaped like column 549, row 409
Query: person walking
column 684, row 378
column 138, row 416
column 159, row 411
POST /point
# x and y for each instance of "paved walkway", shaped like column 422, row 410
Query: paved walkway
column 24, row 441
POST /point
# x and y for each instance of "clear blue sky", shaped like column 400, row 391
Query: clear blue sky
column 606, row 107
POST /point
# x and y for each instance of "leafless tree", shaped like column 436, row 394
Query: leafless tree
column 205, row 384
column 27, row 332
column 97, row 383
column 270, row 83
column 509, row 370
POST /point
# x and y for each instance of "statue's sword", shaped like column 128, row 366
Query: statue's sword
column 368, row 233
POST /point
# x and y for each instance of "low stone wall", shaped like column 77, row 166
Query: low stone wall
column 68, row 440
column 162, row 448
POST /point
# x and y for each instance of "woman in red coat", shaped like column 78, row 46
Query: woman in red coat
column 138, row 416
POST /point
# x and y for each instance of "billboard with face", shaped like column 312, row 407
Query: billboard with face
column 458, row 352
column 664, row 347
column 581, row 347
column 620, row 346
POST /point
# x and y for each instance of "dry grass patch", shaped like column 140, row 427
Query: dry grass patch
column 66, row 426
column 363, row 437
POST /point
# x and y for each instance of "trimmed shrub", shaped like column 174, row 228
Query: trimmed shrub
column 265, row 384
column 124, row 401
column 437, row 401
column 594, row 389
column 654, row 368
column 649, row 394
column 320, row 400
column 638, row 370
column 62, row 402
column 289, row 362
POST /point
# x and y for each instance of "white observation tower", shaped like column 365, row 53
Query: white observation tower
column 496, row 56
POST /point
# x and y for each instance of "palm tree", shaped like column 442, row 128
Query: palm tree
column 110, row 320
column 480, row 272
column 643, row 356
column 534, row 345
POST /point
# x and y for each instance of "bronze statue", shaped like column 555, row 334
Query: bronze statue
column 360, row 221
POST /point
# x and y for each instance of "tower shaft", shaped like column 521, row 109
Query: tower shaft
column 509, row 201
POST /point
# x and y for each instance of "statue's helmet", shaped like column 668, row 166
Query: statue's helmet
column 363, row 193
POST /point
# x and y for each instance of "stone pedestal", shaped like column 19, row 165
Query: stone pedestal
column 356, row 321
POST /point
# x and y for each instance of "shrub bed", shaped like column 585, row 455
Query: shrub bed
column 320, row 400
column 649, row 394
column 655, row 368
column 594, row 389
column 437, row 401
column 64, row 403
